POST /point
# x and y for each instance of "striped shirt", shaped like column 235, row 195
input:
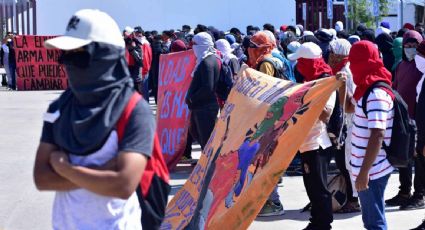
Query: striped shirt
column 380, row 115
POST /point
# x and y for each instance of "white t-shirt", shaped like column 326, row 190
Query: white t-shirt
column 81, row 209
column 380, row 115
column 318, row 136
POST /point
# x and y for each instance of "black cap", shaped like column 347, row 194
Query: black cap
column 138, row 29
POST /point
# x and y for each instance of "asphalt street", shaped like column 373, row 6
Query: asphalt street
column 22, row 207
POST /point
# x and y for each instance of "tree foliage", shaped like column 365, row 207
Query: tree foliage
column 361, row 12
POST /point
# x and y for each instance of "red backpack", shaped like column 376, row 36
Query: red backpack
column 154, row 185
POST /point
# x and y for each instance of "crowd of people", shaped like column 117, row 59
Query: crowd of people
column 365, row 57
column 98, row 167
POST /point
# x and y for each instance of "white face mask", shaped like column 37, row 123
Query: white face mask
column 410, row 53
column 420, row 63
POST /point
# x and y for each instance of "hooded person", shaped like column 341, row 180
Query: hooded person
column 80, row 156
column 325, row 36
column 406, row 78
column 353, row 39
column 338, row 60
column 228, row 57
column 409, row 26
column 368, row 35
column 385, row 46
column 178, row 46
column 260, row 49
column 201, row 98
column 230, row 38
column 420, row 110
column 284, row 63
column 397, row 52
column 314, row 150
column 370, row 167
column 380, row 30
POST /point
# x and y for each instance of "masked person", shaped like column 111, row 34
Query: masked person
column 201, row 98
column 134, row 55
column 406, row 79
column 94, row 174
column 315, row 154
column 145, row 46
column 338, row 61
column 370, row 167
column 385, row 46
column 420, row 110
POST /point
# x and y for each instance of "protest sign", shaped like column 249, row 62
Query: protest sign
column 255, row 138
column 172, row 113
column 37, row 68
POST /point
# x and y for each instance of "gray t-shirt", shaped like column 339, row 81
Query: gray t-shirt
column 82, row 209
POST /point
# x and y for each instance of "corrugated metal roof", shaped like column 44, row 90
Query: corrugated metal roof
column 416, row 2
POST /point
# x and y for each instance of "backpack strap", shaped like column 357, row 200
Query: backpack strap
column 378, row 84
column 125, row 116
column 271, row 61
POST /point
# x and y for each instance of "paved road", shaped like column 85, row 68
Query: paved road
column 22, row 207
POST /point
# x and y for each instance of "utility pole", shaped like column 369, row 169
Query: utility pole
column 401, row 13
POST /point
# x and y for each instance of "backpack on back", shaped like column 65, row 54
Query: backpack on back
column 279, row 67
column 154, row 184
column 402, row 146
column 225, row 81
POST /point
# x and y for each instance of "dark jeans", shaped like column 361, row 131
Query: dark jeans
column 405, row 177
column 373, row 205
column 12, row 85
column 315, row 171
column 339, row 155
column 202, row 122
column 145, row 87
column 188, row 148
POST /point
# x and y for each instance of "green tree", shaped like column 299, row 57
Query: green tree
column 361, row 12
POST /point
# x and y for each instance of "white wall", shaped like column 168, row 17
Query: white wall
column 53, row 15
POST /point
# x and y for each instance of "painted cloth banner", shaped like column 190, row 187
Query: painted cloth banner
column 37, row 68
column 172, row 113
column 255, row 138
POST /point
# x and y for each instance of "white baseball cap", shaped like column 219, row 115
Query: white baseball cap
column 88, row 26
column 308, row 50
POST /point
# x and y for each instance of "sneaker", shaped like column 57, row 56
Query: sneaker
column 398, row 200
column 271, row 209
column 420, row 227
column 413, row 203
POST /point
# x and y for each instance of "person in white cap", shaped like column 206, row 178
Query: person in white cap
column 315, row 156
column 94, row 174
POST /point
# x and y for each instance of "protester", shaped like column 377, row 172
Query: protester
column 228, row 57
column 292, row 48
column 369, row 165
column 315, row 155
column 419, row 27
column 147, row 59
column 368, row 35
column 237, row 34
column 397, row 52
column 134, row 55
column 401, row 32
column 408, row 26
column 8, row 61
column 158, row 48
column 325, row 37
column 353, row 39
column 178, row 46
column 260, row 48
column 286, row 66
column 338, row 61
column 201, row 98
column 86, row 166
column 420, row 110
column 406, row 79
column 385, row 45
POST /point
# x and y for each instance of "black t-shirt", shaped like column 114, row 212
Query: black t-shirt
column 138, row 135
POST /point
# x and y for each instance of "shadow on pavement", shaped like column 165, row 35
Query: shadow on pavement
column 289, row 215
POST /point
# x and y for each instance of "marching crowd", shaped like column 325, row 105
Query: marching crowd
column 377, row 66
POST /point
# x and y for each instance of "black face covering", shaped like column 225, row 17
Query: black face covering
column 99, row 89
